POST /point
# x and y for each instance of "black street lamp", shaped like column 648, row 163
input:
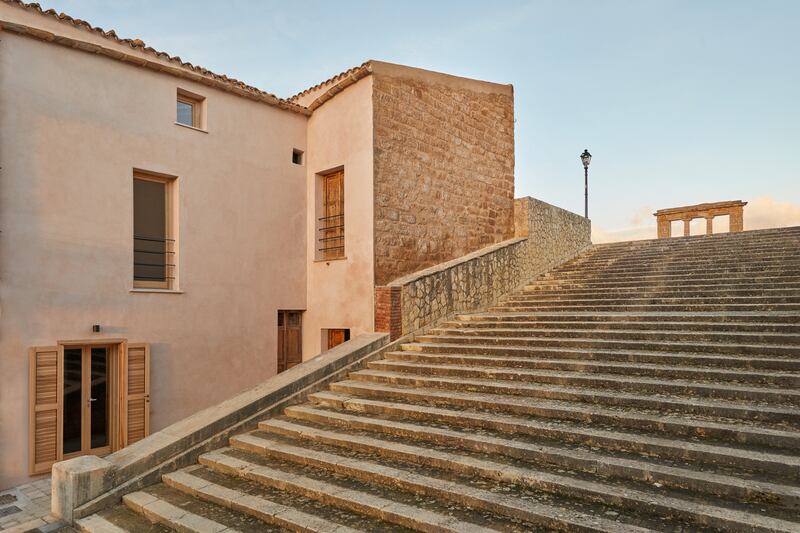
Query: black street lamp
column 586, row 158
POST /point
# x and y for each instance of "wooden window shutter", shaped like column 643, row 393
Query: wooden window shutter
column 136, row 395
column 45, row 393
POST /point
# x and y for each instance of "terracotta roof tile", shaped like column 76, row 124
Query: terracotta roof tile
column 331, row 80
column 138, row 44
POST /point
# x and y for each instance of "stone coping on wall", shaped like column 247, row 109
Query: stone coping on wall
column 405, row 280
column 85, row 485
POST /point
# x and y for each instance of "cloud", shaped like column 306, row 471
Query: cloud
column 766, row 212
column 760, row 213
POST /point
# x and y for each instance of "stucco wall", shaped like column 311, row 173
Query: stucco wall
column 340, row 292
column 444, row 167
column 546, row 236
column 73, row 126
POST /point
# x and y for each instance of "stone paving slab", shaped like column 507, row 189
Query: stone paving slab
column 26, row 507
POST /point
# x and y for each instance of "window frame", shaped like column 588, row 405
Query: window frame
column 170, row 233
column 197, row 102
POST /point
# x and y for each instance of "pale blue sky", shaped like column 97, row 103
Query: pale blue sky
column 679, row 101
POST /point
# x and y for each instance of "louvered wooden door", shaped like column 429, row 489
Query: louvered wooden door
column 86, row 398
column 136, row 399
column 44, row 411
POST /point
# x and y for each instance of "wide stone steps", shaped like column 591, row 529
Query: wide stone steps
column 644, row 386
column 645, row 304
column 782, row 379
column 697, row 267
column 544, row 285
column 634, row 383
column 566, row 472
column 780, row 415
column 724, row 430
column 648, row 331
column 744, row 318
column 778, row 357
column 666, row 325
column 561, row 432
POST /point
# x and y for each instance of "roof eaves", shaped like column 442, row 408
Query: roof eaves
column 180, row 68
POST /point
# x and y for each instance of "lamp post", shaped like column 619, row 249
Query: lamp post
column 586, row 158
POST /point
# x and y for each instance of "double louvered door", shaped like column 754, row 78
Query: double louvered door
column 90, row 398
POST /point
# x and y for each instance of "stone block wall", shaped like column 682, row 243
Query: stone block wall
column 443, row 168
column 546, row 236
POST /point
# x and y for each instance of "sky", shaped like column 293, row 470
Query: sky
column 679, row 102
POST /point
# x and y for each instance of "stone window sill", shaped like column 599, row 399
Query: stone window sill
column 330, row 260
column 165, row 291
column 191, row 127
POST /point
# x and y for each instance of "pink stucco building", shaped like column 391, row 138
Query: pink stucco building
column 170, row 236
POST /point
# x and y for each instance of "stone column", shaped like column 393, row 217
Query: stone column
column 687, row 227
column 737, row 219
column 709, row 225
column 664, row 228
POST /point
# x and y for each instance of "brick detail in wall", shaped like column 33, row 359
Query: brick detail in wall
column 388, row 309
column 444, row 172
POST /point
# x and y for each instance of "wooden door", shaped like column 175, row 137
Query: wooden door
column 337, row 337
column 332, row 222
column 290, row 338
column 136, row 398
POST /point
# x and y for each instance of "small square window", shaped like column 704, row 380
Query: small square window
column 189, row 109
column 297, row 156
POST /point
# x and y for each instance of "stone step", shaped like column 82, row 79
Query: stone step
column 371, row 472
column 388, row 505
column 242, row 497
column 745, row 249
column 789, row 318
column 660, row 259
column 642, row 352
column 696, row 267
column 699, row 306
column 622, row 368
column 779, row 272
column 765, row 462
column 663, row 278
column 670, row 404
column 179, row 511
column 668, row 325
column 659, row 292
column 602, row 469
column 590, row 341
column 655, row 300
column 726, row 431
column 634, row 383
column 683, row 332
column 118, row 519
column 540, row 285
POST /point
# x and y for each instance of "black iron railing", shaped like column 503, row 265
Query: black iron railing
column 155, row 263
column 331, row 239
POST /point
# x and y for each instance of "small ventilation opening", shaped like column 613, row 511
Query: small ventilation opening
column 297, row 156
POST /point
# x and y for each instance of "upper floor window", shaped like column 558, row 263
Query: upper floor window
column 153, row 232
column 331, row 217
column 189, row 109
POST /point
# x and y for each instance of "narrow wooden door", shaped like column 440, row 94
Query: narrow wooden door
column 337, row 337
column 290, row 335
column 332, row 222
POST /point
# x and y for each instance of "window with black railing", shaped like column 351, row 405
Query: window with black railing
column 331, row 238
column 153, row 243
column 330, row 225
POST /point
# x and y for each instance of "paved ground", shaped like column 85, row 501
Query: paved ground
column 27, row 507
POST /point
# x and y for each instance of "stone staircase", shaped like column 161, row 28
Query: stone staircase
column 651, row 385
